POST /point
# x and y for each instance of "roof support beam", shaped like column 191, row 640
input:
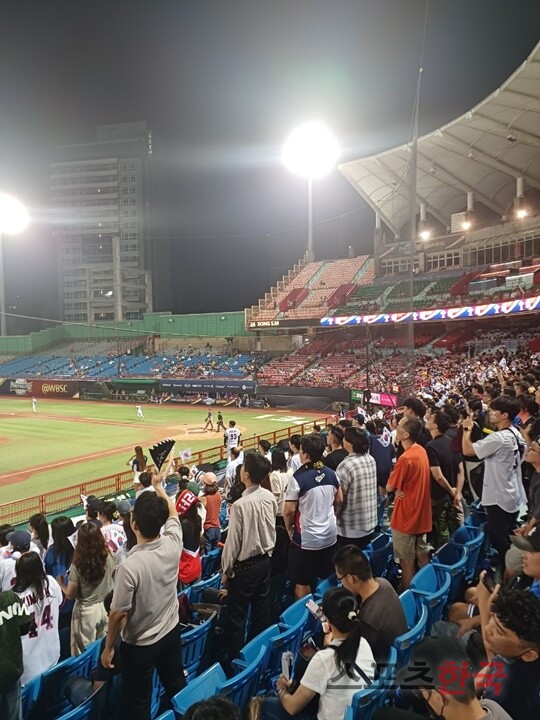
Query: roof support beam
column 503, row 130
column 436, row 214
column 488, row 160
column 426, row 164
column 359, row 189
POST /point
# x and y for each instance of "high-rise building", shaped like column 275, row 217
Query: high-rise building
column 101, row 195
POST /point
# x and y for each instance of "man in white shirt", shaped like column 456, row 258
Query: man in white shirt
column 236, row 458
column 294, row 461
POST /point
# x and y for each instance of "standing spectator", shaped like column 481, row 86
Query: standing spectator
column 236, row 456
column 381, row 611
column 42, row 597
column 447, row 477
column 89, row 581
column 337, row 452
column 58, row 561
column 280, row 478
column 357, row 475
column 189, row 569
column 413, row 407
column 411, row 518
column 211, row 500
column 294, row 461
column 251, row 539
column 39, row 529
column 144, row 607
column 502, row 452
column 145, row 483
column 20, row 542
column 264, row 449
column 382, row 451
column 113, row 533
column 310, row 520
column 15, row 622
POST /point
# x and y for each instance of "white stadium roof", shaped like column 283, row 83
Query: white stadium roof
column 484, row 152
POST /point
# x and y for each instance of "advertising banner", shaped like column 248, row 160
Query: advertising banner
column 24, row 387
column 194, row 385
column 466, row 312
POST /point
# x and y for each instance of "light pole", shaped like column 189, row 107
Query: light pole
column 13, row 220
column 310, row 151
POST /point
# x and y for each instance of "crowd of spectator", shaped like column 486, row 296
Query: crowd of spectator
column 307, row 508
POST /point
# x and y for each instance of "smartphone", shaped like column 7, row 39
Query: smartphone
column 489, row 581
column 316, row 610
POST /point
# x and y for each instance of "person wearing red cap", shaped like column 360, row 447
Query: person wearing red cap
column 189, row 569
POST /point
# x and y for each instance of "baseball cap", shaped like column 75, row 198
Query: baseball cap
column 185, row 500
column 209, row 478
column 193, row 487
column 439, row 663
column 93, row 505
column 19, row 539
column 529, row 542
column 123, row 507
column 359, row 418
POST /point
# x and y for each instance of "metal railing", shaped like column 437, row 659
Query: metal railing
column 57, row 501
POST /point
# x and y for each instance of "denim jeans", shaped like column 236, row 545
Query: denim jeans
column 272, row 709
column 10, row 703
column 211, row 538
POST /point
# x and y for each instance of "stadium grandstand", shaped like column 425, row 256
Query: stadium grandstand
column 327, row 339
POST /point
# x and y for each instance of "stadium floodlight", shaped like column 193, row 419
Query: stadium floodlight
column 310, row 151
column 521, row 213
column 13, row 220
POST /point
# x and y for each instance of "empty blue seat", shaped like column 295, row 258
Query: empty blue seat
column 239, row 689
column 380, row 554
column 251, row 651
column 169, row 715
column 295, row 612
column 158, row 692
column 29, row 695
column 193, row 645
column 452, row 559
column 90, row 709
column 324, row 585
column 196, row 590
column 431, row 586
column 211, row 563
column 51, row 700
column 417, row 616
column 472, row 539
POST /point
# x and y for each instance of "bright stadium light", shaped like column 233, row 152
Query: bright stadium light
column 310, row 151
column 13, row 220
column 425, row 234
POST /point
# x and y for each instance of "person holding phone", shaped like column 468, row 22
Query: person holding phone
column 336, row 673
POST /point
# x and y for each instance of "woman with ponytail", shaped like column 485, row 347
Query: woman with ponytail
column 39, row 529
column 336, row 673
column 111, row 529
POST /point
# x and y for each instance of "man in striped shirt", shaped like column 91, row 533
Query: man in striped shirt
column 357, row 474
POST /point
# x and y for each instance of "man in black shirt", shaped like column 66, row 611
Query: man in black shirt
column 338, row 452
column 413, row 407
column 381, row 612
column 447, row 478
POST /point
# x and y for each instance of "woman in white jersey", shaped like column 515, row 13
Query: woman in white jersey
column 42, row 597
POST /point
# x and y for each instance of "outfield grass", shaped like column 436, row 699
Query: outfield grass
column 66, row 443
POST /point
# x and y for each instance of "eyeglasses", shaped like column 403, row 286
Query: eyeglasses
column 341, row 578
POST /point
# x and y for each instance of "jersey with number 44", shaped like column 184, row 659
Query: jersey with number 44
column 41, row 646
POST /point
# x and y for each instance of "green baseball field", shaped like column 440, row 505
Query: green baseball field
column 67, row 443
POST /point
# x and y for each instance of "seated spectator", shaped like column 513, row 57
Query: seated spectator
column 42, row 597
column 511, row 631
column 216, row 708
column 380, row 612
column 529, row 545
column 58, row 560
column 429, row 680
column 335, row 673
column 90, row 580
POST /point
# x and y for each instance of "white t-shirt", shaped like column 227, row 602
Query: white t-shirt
column 115, row 538
column 335, row 687
column 232, row 436
column 294, row 462
column 279, row 482
column 502, row 452
column 41, row 646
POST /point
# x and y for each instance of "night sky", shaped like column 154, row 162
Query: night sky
column 221, row 83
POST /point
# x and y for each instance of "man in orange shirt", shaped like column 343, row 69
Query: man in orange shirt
column 411, row 518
